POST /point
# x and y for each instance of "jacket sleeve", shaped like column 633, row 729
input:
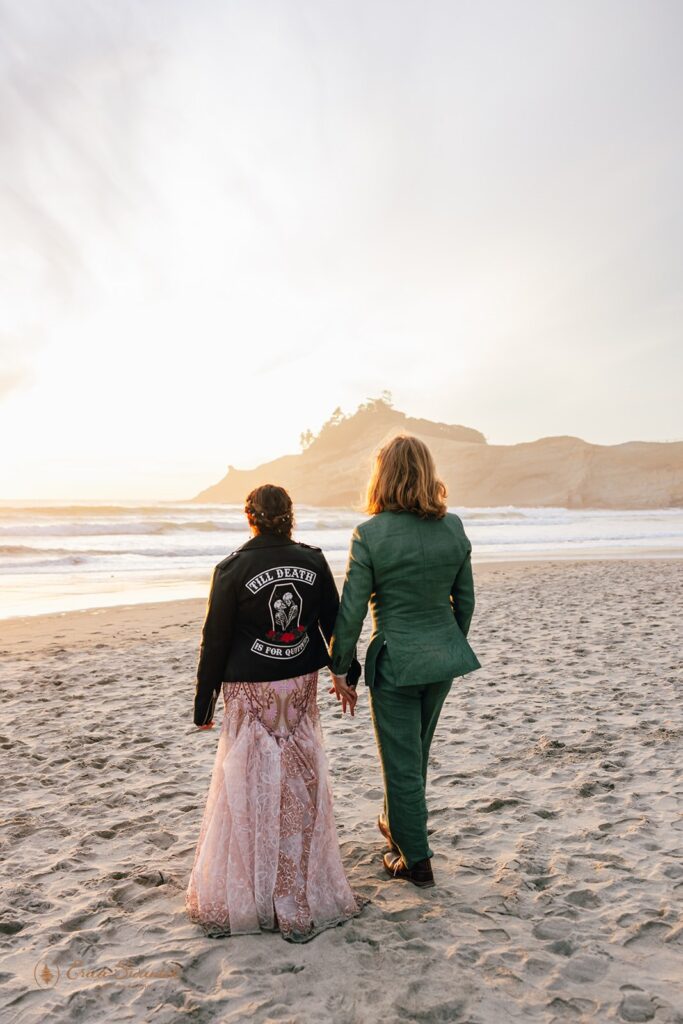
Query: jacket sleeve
column 215, row 645
column 329, row 603
column 329, row 607
column 353, row 608
column 462, row 594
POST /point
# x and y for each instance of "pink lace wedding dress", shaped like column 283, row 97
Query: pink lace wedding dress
column 268, row 854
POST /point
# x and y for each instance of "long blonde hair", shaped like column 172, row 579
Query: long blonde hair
column 404, row 480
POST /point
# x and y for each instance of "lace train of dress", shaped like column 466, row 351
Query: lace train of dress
column 268, row 853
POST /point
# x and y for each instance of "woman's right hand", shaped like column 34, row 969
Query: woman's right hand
column 345, row 693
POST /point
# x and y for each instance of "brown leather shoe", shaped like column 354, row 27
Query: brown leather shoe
column 420, row 874
column 383, row 826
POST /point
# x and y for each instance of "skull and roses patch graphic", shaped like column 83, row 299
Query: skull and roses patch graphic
column 283, row 636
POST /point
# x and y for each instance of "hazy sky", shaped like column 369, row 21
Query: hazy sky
column 220, row 220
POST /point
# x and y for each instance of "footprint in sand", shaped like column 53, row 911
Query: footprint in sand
column 420, row 1005
column 583, row 898
column 149, row 878
column 636, row 1007
column 552, row 928
column 498, row 803
column 10, row 927
column 161, row 839
column 646, row 931
column 570, row 1009
column 591, row 788
column 542, row 882
column 586, row 968
column 562, row 947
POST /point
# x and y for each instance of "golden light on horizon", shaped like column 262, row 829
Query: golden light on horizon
column 212, row 238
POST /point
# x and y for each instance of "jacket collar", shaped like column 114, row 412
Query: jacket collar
column 266, row 540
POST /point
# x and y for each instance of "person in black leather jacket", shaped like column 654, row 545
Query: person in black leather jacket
column 268, row 854
column 271, row 609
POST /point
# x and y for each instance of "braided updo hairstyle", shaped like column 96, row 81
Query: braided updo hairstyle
column 269, row 509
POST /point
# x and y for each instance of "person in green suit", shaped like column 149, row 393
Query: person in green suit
column 411, row 563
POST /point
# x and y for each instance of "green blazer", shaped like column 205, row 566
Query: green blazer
column 416, row 575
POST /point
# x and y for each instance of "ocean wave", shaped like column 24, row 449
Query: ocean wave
column 559, row 514
column 141, row 527
column 26, row 551
column 45, row 563
column 21, row 549
column 550, row 543
column 179, row 539
column 94, row 510
column 115, row 528
column 183, row 559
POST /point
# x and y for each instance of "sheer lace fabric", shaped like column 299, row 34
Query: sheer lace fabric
column 268, row 854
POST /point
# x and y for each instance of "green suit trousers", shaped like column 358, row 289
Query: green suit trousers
column 405, row 718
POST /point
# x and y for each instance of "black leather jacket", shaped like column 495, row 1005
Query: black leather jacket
column 270, row 615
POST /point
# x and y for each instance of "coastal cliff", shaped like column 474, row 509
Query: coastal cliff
column 553, row 471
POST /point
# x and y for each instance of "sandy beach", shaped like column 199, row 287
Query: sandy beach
column 555, row 796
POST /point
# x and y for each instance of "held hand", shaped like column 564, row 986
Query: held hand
column 345, row 693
